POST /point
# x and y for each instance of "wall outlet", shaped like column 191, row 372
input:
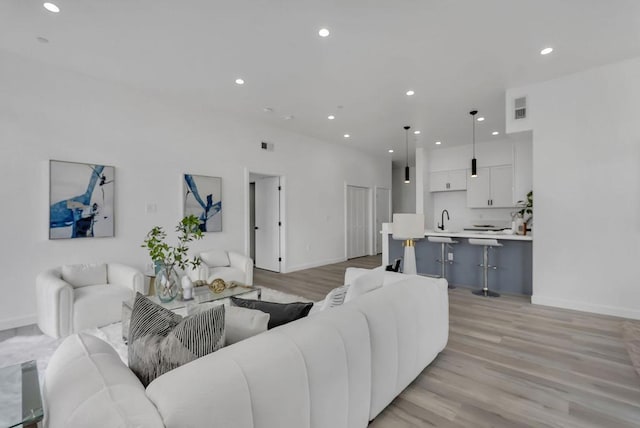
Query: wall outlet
column 450, row 257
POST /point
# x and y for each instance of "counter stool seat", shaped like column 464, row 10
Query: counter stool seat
column 486, row 244
column 444, row 241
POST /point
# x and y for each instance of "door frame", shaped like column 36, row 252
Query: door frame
column 370, row 247
column 283, row 215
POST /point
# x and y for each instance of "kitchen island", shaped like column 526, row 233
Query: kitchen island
column 514, row 260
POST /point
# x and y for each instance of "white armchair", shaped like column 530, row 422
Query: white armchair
column 228, row 265
column 73, row 298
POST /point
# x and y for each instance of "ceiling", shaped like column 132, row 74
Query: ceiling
column 455, row 54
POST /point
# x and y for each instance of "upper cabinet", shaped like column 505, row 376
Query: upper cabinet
column 492, row 188
column 445, row 181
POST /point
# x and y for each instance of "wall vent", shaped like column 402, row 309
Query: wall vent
column 520, row 108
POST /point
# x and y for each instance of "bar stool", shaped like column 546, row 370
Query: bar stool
column 444, row 242
column 486, row 243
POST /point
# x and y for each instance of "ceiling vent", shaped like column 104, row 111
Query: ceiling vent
column 520, row 108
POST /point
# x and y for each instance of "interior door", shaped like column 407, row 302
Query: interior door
column 357, row 221
column 267, row 223
column 383, row 214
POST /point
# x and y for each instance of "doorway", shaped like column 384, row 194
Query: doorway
column 358, row 221
column 265, row 221
column 383, row 214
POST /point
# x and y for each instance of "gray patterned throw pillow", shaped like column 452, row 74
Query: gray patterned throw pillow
column 160, row 341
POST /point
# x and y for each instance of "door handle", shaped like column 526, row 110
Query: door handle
column 256, row 227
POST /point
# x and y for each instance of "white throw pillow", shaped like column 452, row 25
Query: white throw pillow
column 242, row 323
column 365, row 283
column 335, row 297
column 215, row 258
column 83, row 275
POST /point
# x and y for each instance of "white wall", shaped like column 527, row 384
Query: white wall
column 47, row 113
column 514, row 150
column 403, row 195
column 586, row 181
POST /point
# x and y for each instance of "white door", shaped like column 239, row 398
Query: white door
column 357, row 221
column 267, row 223
column 383, row 214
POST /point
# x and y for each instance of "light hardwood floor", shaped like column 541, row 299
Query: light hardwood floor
column 507, row 364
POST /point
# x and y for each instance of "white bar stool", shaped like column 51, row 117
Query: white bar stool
column 444, row 241
column 486, row 243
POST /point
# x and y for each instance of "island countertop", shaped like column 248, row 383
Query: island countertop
column 479, row 235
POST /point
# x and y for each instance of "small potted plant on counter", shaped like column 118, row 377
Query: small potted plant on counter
column 169, row 258
column 525, row 213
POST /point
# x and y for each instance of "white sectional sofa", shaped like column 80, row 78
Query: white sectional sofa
column 336, row 368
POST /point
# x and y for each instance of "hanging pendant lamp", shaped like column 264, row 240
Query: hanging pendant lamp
column 474, row 168
column 407, row 180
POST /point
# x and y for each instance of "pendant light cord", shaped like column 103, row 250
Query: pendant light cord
column 473, row 122
column 406, row 139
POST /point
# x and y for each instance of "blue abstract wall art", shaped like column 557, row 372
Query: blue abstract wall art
column 81, row 200
column 203, row 198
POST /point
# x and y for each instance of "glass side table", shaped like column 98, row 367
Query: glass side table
column 20, row 401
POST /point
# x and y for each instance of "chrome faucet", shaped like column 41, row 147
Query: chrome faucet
column 441, row 226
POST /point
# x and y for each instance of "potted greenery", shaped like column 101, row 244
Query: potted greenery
column 526, row 211
column 169, row 258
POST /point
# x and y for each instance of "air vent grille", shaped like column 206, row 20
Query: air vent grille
column 520, row 111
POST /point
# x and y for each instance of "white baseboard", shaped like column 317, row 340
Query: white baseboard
column 315, row 264
column 586, row 307
column 17, row 322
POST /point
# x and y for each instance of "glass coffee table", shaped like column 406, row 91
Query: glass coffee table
column 201, row 295
column 20, row 401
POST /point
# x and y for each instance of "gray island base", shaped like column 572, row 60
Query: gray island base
column 514, row 261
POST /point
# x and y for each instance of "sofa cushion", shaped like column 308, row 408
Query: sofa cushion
column 364, row 283
column 239, row 323
column 226, row 273
column 86, row 382
column 98, row 305
column 160, row 341
column 83, row 275
column 281, row 313
column 215, row 258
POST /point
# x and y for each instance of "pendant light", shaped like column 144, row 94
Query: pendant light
column 474, row 168
column 407, row 180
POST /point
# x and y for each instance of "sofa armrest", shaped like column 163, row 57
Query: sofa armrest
column 125, row 275
column 54, row 300
column 243, row 263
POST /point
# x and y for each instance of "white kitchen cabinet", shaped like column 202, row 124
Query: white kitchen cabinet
column 445, row 181
column 492, row 188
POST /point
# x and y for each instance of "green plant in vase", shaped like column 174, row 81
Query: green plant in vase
column 169, row 258
column 526, row 211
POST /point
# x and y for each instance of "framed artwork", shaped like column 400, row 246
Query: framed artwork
column 203, row 198
column 81, row 200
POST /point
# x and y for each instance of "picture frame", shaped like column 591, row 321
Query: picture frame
column 202, row 197
column 81, row 200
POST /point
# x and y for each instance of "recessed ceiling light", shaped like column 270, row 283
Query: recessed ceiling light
column 546, row 51
column 410, row 92
column 323, row 32
column 390, row 150
column 267, row 109
column 495, row 133
column 51, row 7
column 347, row 135
column 416, row 132
column 331, row 117
column 480, row 119
column 239, row 82
column 289, row 117
column 438, row 143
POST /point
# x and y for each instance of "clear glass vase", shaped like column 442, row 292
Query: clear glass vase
column 167, row 284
